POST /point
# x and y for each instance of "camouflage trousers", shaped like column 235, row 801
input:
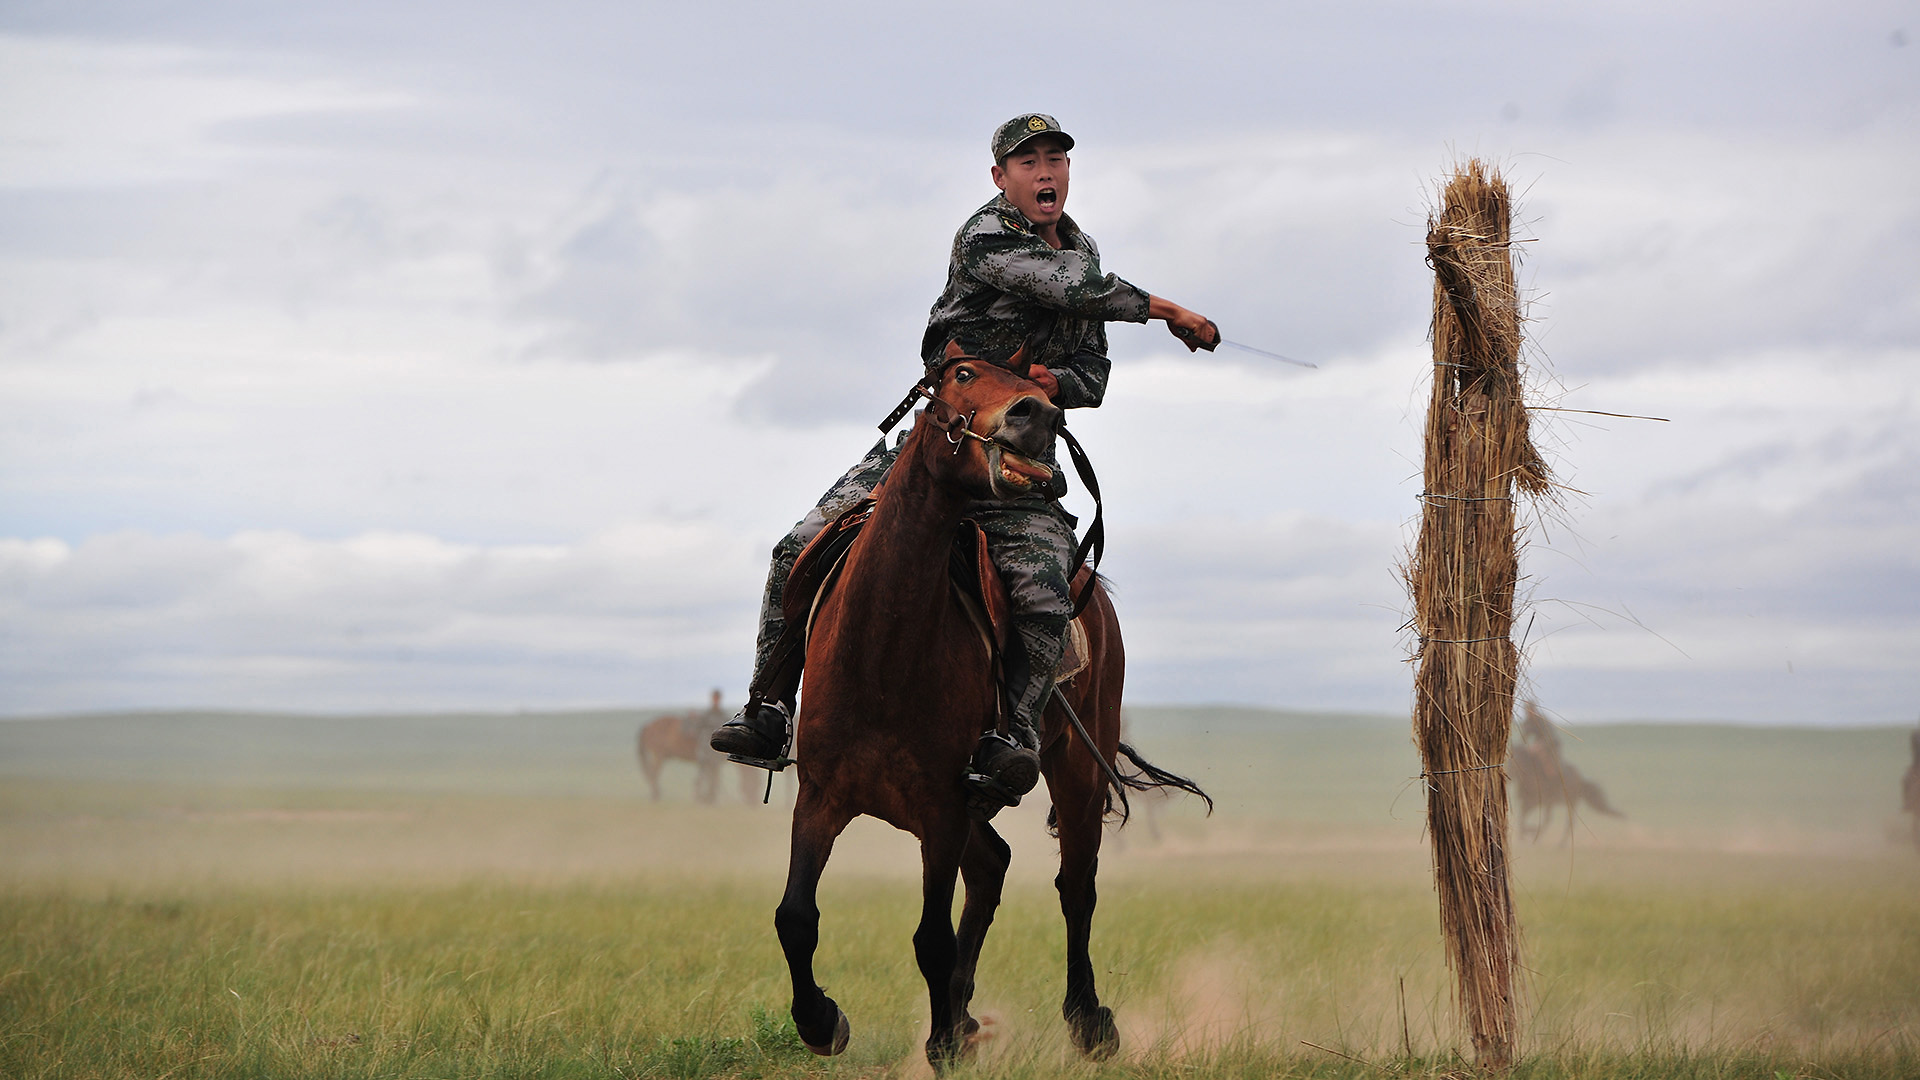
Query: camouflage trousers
column 1031, row 542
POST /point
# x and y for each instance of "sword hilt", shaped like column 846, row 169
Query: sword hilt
column 1193, row 338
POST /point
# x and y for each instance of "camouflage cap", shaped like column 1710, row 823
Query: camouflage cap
column 1009, row 136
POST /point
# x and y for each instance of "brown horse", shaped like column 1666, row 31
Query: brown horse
column 683, row 737
column 1542, row 780
column 897, row 694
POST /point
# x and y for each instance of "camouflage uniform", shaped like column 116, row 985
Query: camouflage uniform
column 1006, row 287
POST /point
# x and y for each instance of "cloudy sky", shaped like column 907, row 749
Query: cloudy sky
column 374, row 356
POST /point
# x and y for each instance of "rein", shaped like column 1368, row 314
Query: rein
column 1095, row 542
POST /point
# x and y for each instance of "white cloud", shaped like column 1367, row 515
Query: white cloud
column 338, row 368
column 641, row 612
column 87, row 113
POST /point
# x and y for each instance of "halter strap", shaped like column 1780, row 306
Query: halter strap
column 955, row 352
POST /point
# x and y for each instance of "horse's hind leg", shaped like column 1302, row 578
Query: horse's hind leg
column 983, row 866
column 1080, row 806
column 819, row 1021
column 934, row 944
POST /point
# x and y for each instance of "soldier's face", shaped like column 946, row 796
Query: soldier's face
column 1034, row 179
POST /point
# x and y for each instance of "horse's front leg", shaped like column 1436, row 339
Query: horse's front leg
column 983, row 867
column 706, row 780
column 819, row 1021
column 650, row 767
column 934, row 946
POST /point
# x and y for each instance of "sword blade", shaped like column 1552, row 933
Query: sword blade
column 1268, row 355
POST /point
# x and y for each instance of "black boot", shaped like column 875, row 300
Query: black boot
column 1003, row 770
column 758, row 736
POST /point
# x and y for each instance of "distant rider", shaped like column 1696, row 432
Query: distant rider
column 695, row 724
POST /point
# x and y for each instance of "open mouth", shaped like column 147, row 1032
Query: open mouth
column 1048, row 198
column 1015, row 471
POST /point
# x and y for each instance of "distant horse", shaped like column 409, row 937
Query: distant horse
column 897, row 694
column 1543, row 781
column 683, row 737
column 1910, row 789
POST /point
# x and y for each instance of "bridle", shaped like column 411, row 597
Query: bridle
column 931, row 380
column 1015, row 364
column 957, row 436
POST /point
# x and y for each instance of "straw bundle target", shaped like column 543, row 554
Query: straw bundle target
column 1462, row 575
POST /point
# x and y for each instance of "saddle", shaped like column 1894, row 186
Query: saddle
column 976, row 583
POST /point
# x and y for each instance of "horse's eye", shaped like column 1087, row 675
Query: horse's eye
column 963, row 375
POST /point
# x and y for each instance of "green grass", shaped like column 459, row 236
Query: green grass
column 680, row 978
column 324, row 898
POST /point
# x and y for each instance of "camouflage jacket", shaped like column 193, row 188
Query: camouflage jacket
column 1005, row 285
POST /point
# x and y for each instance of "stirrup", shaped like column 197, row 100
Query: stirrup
column 988, row 794
column 755, row 710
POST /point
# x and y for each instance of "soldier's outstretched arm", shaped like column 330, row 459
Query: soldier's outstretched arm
column 1192, row 328
column 1014, row 260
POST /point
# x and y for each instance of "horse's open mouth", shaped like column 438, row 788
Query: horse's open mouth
column 1015, row 471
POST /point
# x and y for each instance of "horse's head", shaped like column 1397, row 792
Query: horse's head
column 998, row 426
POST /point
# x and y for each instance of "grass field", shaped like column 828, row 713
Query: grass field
column 494, row 896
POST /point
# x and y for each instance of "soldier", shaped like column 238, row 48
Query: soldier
column 696, row 724
column 1022, row 274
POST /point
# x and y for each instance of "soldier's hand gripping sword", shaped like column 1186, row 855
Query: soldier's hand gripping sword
column 1193, row 339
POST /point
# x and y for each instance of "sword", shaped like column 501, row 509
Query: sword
column 1191, row 338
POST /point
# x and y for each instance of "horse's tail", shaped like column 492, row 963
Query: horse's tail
column 1597, row 799
column 1149, row 777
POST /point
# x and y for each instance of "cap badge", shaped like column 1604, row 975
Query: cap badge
column 1035, row 123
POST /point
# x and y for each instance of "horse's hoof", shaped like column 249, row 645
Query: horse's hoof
column 1095, row 1036
column 972, row 1034
column 944, row 1056
column 959, row 1045
column 842, row 1034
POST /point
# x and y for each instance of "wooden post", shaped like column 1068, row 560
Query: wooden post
column 1462, row 577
